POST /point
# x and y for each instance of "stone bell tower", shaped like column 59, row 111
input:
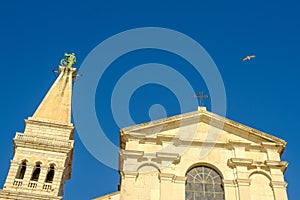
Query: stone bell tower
column 42, row 159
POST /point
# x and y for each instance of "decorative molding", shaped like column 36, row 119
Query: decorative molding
column 57, row 124
column 129, row 174
column 228, row 183
column 53, row 155
column 238, row 143
column 43, row 143
column 233, row 162
column 278, row 184
column 167, row 177
column 179, row 179
column 131, row 153
column 277, row 164
column 10, row 194
column 168, row 156
column 243, row 182
column 204, row 116
column 250, row 163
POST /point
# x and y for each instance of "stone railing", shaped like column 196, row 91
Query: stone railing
column 44, row 140
column 18, row 183
column 32, row 184
column 47, row 187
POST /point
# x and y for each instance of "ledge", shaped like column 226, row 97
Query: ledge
column 131, row 153
column 233, row 162
column 277, row 164
column 40, row 142
column 243, row 182
column 166, row 176
column 57, row 124
column 278, row 184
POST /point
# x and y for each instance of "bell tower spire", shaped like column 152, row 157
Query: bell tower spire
column 56, row 106
column 42, row 159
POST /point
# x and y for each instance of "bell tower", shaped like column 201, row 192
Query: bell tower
column 42, row 159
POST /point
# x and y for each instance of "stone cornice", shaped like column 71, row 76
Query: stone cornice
column 131, row 153
column 210, row 118
column 166, row 177
column 228, row 183
column 233, row 162
column 158, row 156
column 129, row 174
column 277, row 164
column 270, row 145
column 180, row 179
column 168, row 156
column 238, row 143
column 272, row 164
column 162, row 176
column 243, row 182
column 278, row 184
column 45, row 122
column 5, row 194
column 43, row 143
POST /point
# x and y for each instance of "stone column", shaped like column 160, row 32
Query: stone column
column 14, row 166
column 240, row 165
column 42, row 177
column 179, row 188
column 244, row 189
column 166, row 186
column 230, row 190
column 129, row 190
column 57, row 179
column 27, row 175
column 279, row 189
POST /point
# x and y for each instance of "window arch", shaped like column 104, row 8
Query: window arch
column 21, row 170
column 204, row 183
column 36, row 172
column 50, row 174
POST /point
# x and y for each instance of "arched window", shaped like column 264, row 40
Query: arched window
column 21, row 170
column 204, row 183
column 36, row 172
column 50, row 174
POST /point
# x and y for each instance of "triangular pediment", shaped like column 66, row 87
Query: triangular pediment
column 200, row 125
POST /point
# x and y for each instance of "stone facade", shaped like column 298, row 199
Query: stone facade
column 156, row 157
column 42, row 159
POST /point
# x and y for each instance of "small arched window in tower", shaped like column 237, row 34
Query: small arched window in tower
column 21, row 170
column 50, row 174
column 36, row 172
column 204, row 183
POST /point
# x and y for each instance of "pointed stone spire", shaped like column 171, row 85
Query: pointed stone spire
column 56, row 105
column 43, row 154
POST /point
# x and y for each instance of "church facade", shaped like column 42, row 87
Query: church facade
column 200, row 155
column 196, row 155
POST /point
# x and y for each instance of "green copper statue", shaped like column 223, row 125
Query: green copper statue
column 69, row 60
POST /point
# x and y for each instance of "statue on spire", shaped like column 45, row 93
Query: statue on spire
column 69, row 60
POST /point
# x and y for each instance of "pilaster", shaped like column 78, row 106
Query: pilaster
column 179, row 187
column 166, row 189
column 279, row 189
column 244, row 188
column 230, row 190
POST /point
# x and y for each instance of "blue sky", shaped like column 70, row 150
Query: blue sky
column 262, row 93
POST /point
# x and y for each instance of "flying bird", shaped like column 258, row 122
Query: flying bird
column 248, row 57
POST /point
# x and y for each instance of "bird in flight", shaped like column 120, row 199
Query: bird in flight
column 248, row 57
